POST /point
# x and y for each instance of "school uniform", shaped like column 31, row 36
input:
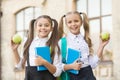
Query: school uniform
column 78, row 43
column 31, row 71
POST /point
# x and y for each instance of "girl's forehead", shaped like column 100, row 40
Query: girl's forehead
column 72, row 14
column 43, row 20
column 69, row 16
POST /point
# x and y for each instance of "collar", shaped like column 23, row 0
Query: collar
column 38, row 38
column 73, row 36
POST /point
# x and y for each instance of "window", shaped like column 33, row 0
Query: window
column 23, row 19
column 100, row 17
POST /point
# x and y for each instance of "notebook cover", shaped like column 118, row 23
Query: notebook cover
column 44, row 52
column 71, row 57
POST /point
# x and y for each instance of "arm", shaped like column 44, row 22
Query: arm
column 101, row 47
column 49, row 66
column 40, row 61
column 15, row 51
column 58, row 64
column 54, row 68
column 94, row 59
column 18, row 60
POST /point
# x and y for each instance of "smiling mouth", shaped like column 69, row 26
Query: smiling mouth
column 74, row 28
column 43, row 31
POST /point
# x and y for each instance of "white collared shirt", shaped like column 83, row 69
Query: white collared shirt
column 78, row 43
column 39, row 42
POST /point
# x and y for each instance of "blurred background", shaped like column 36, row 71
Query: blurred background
column 103, row 15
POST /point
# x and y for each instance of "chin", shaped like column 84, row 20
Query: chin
column 76, row 33
column 42, row 36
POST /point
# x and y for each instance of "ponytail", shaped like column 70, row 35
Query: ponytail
column 29, row 40
column 61, row 31
column 86, row 29
column 53, row 41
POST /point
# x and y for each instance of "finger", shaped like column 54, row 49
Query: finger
column 80, row 63
column 11, row 43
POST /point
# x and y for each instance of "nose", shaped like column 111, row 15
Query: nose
column 43, row 27
column 73, row 23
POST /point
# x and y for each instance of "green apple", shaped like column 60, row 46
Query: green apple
column 17, row 39
column 105, row 36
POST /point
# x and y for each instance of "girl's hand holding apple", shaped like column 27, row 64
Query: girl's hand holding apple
column 105, row 36
column 15, row 41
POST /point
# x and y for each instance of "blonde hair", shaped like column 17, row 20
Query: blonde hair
column 85, row 23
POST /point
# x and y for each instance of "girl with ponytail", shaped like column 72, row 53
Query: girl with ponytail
column 81, row 43
column 43, row 25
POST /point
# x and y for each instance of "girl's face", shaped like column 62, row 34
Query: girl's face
column 73, row 22
column 43, row 27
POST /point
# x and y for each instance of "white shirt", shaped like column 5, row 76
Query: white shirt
column 78, row 43
column 42, row 42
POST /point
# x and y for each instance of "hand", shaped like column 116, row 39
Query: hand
column 14, row 46
column 76, row 65
column 104, row 42
column 39, row 61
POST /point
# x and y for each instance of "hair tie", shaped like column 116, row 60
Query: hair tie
column 64, row 15
column 80, row 12
column 52, row 19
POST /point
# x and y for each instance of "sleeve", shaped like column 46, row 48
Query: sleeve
column 59, row 43
column 63, row 67
column 93, row 61
column 57, row 63
column 18, row 67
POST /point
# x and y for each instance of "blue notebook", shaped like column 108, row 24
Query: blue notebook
column 44, row 52
column 71, row 57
